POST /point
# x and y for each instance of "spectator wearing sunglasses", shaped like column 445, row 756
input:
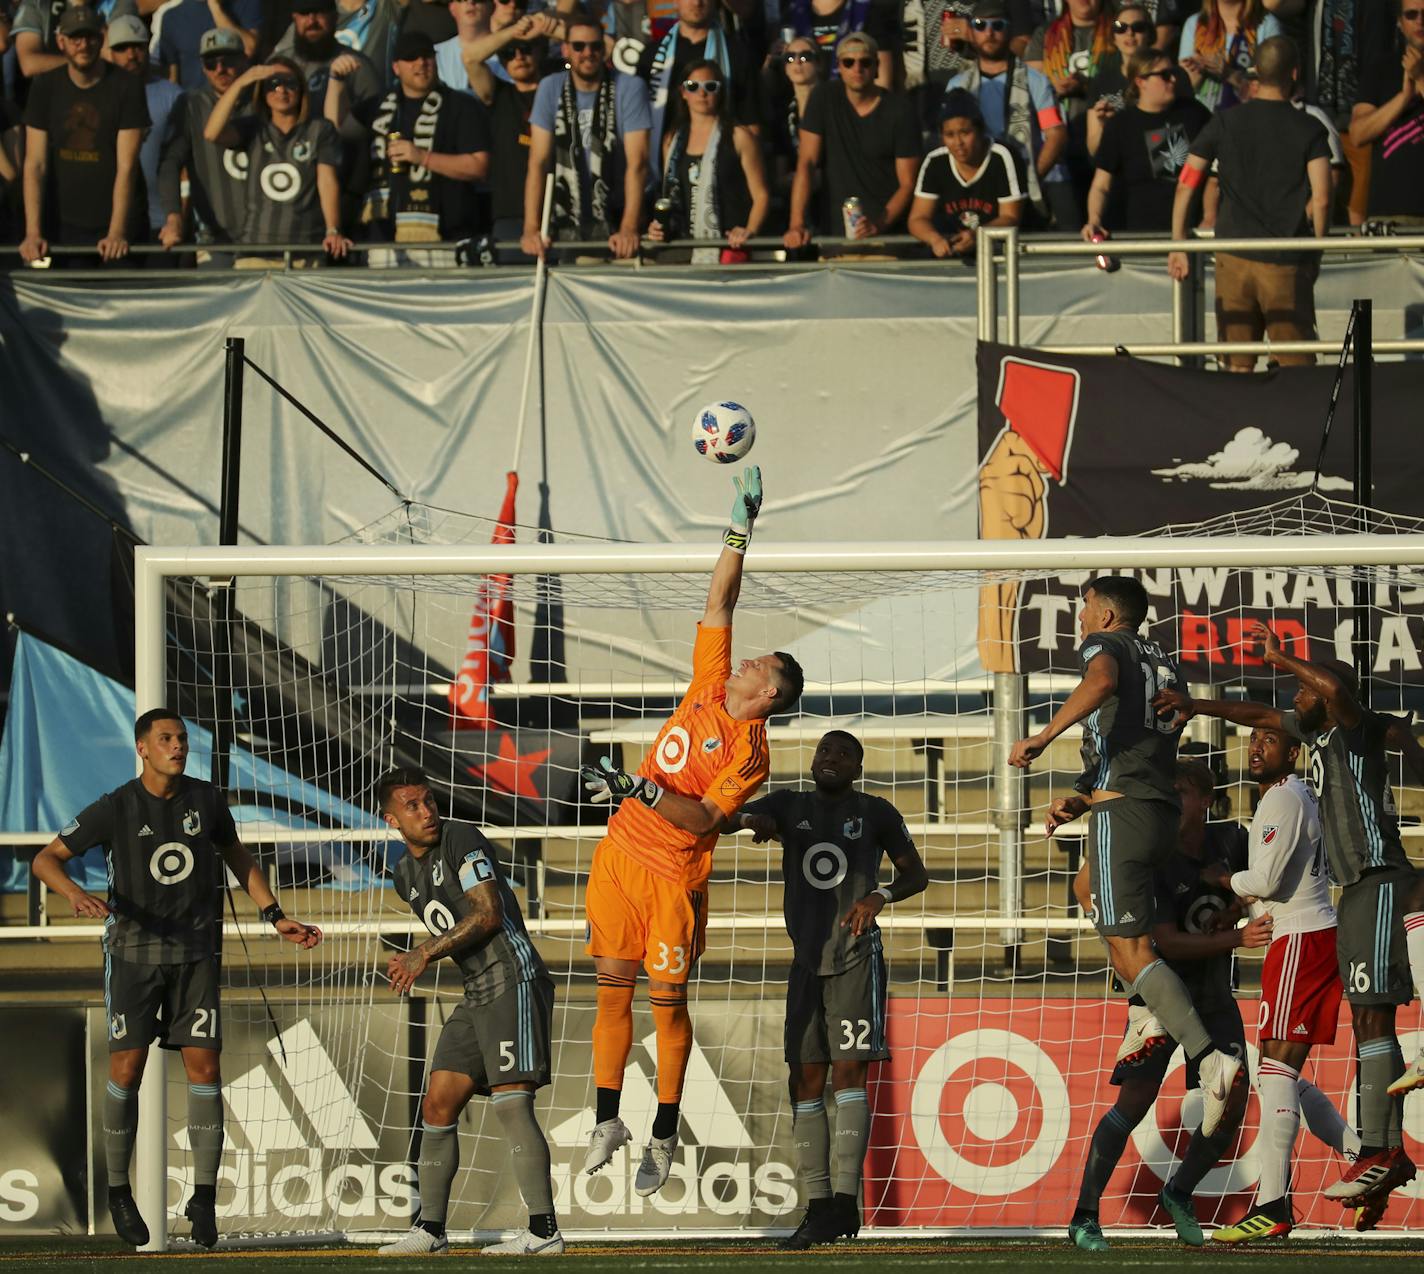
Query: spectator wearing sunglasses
column 188, row 21
column 712, row 171
column 790, row 82
column 866, row 143
column 421, row 186
column 1021, row 112
column 367, row 27
column 966, row 183
column 293, row 188
column 1142, row 151
column 1390, row 118
column 217, row 185
column 1133, row 31
column 312, row 45
column 84, row 123
column 828, row 22
column 590, row 127
column 697, row 35
column 487, row 57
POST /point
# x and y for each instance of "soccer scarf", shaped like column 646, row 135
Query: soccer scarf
column 570, row 219
column 714, row 50
column 1058, row 46
column 1337, row 70
column 408, row 198
column 1018, row 120
column 1238, row 50
column 701, row 201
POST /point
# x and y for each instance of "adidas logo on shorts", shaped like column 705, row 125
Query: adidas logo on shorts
column 1300, row 1030
column 803, row 826
column 145, row 830
column 1127, row 918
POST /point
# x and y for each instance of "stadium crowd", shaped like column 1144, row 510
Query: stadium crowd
column 382, row 125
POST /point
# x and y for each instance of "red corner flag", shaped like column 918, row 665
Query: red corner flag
column 490, row 649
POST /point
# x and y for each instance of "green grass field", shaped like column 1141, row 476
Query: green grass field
column 1003, row 1256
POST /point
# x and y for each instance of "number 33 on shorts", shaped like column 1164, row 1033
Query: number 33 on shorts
column 669, row 959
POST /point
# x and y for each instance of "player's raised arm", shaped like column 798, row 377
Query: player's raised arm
column 485, row 918
column 48, row 867
column 254, row 884
column 606, row 782
column 1344, row 708
column 1240, row 712
column 1098, row 685
column 726, row 585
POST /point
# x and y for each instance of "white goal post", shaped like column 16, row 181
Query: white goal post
column 960, row 564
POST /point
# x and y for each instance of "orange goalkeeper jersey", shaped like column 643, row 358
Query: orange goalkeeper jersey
column 701, row 752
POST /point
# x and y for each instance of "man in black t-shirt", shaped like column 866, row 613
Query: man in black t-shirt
column 84, row 125
column 1272, row 162
column 168, row 843
column 421, row 186
column 865, row 141
column 1390, row 114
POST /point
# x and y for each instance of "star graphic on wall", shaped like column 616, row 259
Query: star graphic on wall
column 512, row 771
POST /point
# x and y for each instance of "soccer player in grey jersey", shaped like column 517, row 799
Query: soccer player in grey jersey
column 1128, row 784
column 497, row 1041
column 166, row 839
column 833, row 838
column 1380, row 937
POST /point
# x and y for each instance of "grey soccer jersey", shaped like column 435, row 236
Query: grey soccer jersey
column 165, row 868
column 217, row 176
column 830, row 859
column 1127, row 748
column 283, row 203
column 1357, row 813
column 435, row 884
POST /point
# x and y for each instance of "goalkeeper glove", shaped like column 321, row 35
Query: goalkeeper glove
column 606, row 782
column 745, row 507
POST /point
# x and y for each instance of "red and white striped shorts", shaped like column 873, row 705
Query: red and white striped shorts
column 1301, row 989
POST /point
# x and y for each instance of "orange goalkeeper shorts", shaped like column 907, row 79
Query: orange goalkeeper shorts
column 632, row 914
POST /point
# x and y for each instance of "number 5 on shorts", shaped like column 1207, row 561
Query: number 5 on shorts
column 506, row 1055
column 677, row 955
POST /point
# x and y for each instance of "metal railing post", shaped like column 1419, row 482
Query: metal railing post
column 987, row 280
column 1011, row 282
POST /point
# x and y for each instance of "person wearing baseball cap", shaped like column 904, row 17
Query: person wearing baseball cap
column 128, row 50
column 35, row 30
column 217, row 189
column 83, row 182
column 189, row 22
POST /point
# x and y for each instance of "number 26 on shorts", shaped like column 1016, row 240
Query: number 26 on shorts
column 670, row 959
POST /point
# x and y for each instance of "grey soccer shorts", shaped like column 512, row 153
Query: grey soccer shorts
column 1374, row 964
column 175, row 1004
column 837, row 1017
column 1127, row 840
column 1228, row 1035
column 503, row 1042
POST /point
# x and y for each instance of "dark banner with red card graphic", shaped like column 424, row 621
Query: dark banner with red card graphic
column 1117, row 446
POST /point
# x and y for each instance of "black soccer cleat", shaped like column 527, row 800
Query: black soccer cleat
column 848, row 1214
column 203, row 1215
column 820, row 1224
column 128, row 1220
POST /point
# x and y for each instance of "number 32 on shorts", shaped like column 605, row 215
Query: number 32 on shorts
column 670, row 959
column 855, row 1033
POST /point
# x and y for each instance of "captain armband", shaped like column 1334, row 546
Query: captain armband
column 1191, row 176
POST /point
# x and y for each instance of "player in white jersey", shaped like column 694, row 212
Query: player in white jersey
column 1286, row 878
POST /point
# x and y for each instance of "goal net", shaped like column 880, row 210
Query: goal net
column 317, row 669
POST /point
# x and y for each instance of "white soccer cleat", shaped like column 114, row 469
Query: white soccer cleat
column 607, row 1140
column 1217, row 1073
column 1412, row 1078
column 527, row 1243
column 417, row 1242
column 1144, row 1034
column 657, row 1163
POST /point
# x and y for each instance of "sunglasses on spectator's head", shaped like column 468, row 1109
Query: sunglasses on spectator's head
column 288, row 82
column 702, row 86
column 801, row 55
column 512, row 51
column 1166, row 75
column 1140, row 27
column 863, row 62
column 990, row 24
column 586, row 46
column 221, row 61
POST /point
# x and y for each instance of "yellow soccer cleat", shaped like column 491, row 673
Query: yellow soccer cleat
column 1251, row 1228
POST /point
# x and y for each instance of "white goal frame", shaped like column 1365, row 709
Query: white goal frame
column 154, row 565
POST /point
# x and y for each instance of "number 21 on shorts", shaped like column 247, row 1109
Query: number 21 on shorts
column 670, row 959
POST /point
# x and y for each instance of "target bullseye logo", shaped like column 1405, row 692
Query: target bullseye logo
column 281, row 183
column 673, row 750
column 824, row 866
column 437, row 916
column 171, row 863
column 1013, row 1102
column 235, row 164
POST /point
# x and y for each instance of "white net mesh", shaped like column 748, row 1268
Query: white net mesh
column 1001, row 1021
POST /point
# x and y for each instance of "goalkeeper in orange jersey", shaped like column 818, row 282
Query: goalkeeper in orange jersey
column 647, row 889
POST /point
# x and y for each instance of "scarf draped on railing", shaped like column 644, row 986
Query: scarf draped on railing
column 571, row 220
column 407, row 199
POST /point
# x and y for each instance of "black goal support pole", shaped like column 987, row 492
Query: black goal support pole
column 1364, row 482
column 223, row 725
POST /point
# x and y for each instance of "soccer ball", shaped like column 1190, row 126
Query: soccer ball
column 723, row 432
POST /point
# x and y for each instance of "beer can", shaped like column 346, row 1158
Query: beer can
column 661, row 208
column 394, row 166
column 787, row 35
column 853, row 213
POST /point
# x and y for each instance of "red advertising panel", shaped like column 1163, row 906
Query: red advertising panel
column 984, row 1113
